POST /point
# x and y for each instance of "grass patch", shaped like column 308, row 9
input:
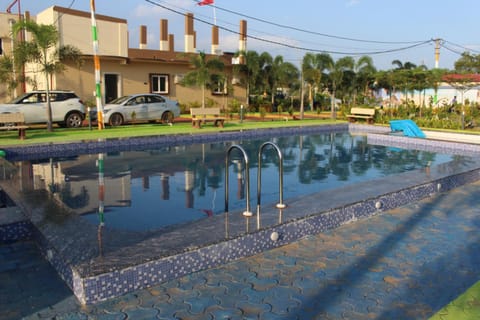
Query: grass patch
column 63, row 135
column 466, row 306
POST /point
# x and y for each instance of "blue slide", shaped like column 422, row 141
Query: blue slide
column 409, row 128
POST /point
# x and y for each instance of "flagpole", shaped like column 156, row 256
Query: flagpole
column 96, row 62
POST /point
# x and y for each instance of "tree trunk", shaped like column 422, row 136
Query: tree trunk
column 47, row 92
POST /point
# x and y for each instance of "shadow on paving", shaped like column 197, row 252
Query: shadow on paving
column 28, row 282
column 440, row 238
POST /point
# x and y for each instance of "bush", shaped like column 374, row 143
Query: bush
column 263, row 112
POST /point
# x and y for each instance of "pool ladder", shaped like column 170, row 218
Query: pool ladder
column 248, row 213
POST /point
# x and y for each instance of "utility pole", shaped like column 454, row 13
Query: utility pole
column 437, row 62
column 437, row 52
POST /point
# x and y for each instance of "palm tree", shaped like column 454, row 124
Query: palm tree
column 250, row 70
column 364, row 75
column 280, row 73
column 313, row 67
column 7, row 74
column 265, row 64
column 404, row 66
column 203, row 73
column 43, row 50
column 336, row 73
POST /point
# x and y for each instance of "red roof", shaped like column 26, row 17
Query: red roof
column 473, row 77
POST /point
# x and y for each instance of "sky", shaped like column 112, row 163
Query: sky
column 385, row 30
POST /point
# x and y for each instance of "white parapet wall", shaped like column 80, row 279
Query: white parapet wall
column 451, row 136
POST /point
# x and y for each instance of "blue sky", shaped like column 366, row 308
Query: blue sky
column 375, row 25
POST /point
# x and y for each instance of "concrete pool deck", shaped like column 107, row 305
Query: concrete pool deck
column 405, row 263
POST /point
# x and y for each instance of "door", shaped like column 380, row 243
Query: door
column 111, row 87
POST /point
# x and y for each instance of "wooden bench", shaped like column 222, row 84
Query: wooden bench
column 203, row 115
column 14, row 121
column 361, row 113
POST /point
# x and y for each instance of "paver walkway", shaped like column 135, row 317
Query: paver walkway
column 406, row 263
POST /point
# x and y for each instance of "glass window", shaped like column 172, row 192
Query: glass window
column 159, row 83
column 155, row 99
column 219, row 85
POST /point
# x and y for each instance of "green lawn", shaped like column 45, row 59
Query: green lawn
column 41, row 135
column 466, row 306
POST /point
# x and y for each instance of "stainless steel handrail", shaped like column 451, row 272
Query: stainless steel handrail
column 247, row 213
column 279, row 205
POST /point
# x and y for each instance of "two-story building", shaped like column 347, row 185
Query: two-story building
column 126, row 70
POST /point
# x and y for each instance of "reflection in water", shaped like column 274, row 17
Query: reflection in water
column 101, row 199
column 189, row 185
column 165, row 186
column 151, row 189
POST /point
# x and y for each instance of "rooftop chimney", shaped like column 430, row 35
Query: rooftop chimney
column 143, row 37
column 189, row 33
column 242, row 43
column 171, row 44
column 215, row 49
column 163, row 35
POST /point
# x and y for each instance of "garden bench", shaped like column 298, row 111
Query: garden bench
column 14, row 121
column 361, row 113
column 203, row 115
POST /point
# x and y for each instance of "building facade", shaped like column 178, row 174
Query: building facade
column 126, row 70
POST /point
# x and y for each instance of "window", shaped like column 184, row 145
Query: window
column 159, row 83
column 155, row 99
column 219, row 85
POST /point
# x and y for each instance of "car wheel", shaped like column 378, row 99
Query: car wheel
column 74, row 120
column 116, row 119
column 167, row 117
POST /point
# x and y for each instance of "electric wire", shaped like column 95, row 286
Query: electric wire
column 308, row 31
column 466, row 49
column 416, row 44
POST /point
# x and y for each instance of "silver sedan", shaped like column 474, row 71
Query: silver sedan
column 140, row 107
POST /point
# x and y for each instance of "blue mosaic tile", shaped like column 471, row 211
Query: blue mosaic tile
column 14, row 232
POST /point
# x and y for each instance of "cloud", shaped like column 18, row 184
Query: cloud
column 352, row 3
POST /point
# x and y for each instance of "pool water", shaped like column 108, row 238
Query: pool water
column 153, row 189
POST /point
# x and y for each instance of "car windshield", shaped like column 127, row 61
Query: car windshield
column 19, row 99
column 119, row 100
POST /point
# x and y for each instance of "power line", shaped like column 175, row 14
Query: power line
column 308, row 31
column 460, row 46
column 261, row 33
column 416, row 44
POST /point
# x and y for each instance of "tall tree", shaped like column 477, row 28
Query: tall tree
column 336, row 73
column 468, row 63
column 43, row 50
column 313, row 66
column 266, row 72
column 204, row 72
column 7, row 73
column 364, row 76
column 249, row 69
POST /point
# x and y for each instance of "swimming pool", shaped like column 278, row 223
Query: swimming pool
column 157, row 188
column 99, row 261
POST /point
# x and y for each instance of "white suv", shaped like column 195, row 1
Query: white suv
column 67, row 108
